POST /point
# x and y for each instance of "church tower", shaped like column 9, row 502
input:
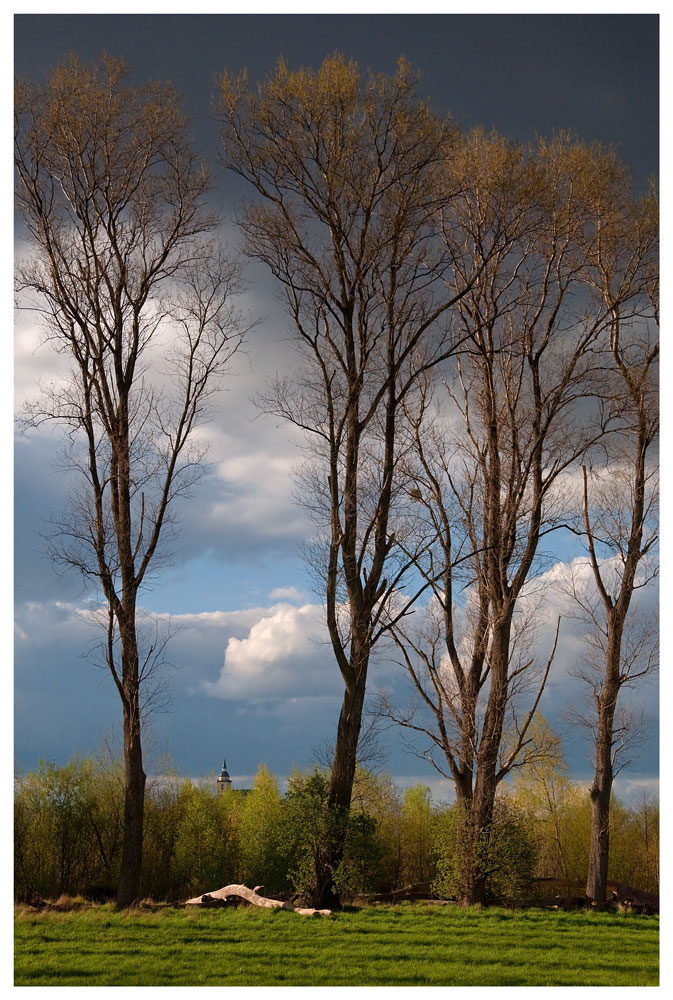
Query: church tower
column 224, row 781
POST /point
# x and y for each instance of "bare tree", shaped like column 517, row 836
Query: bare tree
column 348, row 173
column 133, row 287
column 488, row 477
column 620, row 499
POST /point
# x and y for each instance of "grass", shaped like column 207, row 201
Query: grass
column 379, row 946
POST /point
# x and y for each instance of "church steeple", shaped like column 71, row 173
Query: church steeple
column 224, row 781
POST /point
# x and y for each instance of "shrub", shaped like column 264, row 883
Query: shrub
column 506, row 858
column 311, row 828
column 205, row 854
column 417, row 833
column 65, row 837
column 261, row 838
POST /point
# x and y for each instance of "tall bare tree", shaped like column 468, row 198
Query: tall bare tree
column 348, row 173
column 620, row 496
column 488, row 480
column 123, row 266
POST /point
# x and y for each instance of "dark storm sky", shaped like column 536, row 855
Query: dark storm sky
column 596, row 75
column 526, row 75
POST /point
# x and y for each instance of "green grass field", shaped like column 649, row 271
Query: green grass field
column 402, row 946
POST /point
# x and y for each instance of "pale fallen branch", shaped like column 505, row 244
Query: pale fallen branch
column 250, row 896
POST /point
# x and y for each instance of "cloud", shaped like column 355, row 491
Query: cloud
column 242, row 618
column 240, row 511
column 546, row 598
column 251, row 508
column 286, row 593
column 550, row 594
column 63, row 704
column 54, row 624
column 284, row 655
column 441, row 789
column 34, row 362
column 631, row 788
column 269, row 671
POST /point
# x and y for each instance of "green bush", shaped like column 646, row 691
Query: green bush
column 68, row 824
column 310, row 831
column 379, row 797
column 261, row 838
column 506, row 858
column 201, row 855
column 165, row 806
column 417, row 823
column 67, row 830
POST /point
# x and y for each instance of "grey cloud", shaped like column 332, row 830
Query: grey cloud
column 242, row 508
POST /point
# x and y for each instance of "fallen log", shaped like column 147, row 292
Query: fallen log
column 222, row 897
column 417, row 891
column 638, row 899
column 558, row 902
column 619, row 896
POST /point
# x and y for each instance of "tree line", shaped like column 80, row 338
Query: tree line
column 69, row 821
column 477, row 324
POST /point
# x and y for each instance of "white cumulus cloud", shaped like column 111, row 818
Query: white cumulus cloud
column 284, row 655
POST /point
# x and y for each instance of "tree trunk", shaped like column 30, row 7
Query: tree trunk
column 600, row 843
column 479, row 819
column 341, row 787
column 134, row 804
column 134, row 775
column 474, row 837
column 601, row 791
column 473, row 886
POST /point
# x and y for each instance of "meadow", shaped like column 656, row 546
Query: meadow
column 405, row 945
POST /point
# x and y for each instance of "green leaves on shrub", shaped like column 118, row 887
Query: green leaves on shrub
column 505, row 858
